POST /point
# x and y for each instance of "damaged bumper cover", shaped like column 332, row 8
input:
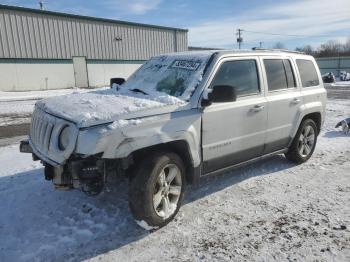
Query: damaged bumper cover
column 87, row 174
column 26, row 146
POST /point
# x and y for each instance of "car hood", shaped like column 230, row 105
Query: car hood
column 105, row 106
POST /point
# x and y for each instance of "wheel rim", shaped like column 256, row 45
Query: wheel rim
column 167, row 191
column 306, row 141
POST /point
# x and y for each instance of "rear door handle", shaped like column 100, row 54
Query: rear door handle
column 296, row 101
column 257, row 108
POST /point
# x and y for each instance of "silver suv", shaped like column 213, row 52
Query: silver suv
column 178, row 118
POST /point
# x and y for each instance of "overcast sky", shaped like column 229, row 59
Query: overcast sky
column 213, row 23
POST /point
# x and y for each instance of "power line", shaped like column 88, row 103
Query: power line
column 266, row 33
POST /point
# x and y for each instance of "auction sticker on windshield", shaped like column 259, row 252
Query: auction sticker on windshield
column 184, row 64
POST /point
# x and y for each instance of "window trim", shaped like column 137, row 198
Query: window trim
column 293, row 72
column 238, row 58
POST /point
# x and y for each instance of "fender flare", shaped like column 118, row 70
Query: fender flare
column 132, row 144
column 307, row 109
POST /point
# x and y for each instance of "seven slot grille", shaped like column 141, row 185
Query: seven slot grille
column 41, row 129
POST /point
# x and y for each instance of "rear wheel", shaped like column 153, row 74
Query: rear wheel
column 304, row 142
column 157, row 189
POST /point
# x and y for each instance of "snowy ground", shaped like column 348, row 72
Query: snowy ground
column 338, row 90
column 16, row 112
column 272, row 210
column 35, row 95
column 16, row 107
column 339, row 84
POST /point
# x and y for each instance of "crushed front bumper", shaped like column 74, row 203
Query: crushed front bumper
column 25, row 147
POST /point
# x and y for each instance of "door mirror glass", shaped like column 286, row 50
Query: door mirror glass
column 222, row 93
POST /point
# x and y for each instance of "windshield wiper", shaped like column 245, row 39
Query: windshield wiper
column 136, row 90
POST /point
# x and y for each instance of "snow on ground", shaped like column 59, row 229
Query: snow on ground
column 16, row 112
column 271, row 210
column 36, row 95
column 338, row 84
column 17, row 107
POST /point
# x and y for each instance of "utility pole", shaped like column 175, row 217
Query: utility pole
column 239, row 39
column 41, row 4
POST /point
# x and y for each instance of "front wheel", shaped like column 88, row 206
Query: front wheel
column 157, row 189
column 304, row 142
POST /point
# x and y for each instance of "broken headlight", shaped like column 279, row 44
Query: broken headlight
column 64, row 138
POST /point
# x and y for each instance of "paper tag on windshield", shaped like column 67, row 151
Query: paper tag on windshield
column 183, row 64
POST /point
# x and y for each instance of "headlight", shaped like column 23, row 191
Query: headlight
column 64, row 138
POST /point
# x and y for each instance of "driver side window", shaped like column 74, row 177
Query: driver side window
column 241, row 74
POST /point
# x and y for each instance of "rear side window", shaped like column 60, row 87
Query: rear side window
column 308, row 73
column 279, row 74
column 242, row 74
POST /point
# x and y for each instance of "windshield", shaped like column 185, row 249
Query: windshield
column 174, row 75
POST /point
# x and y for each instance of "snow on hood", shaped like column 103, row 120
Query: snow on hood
column 165, row 81
column 102, row 106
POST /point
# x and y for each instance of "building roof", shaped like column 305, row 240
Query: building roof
column 91, row 18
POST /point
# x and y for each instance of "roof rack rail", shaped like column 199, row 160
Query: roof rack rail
column 277, row 50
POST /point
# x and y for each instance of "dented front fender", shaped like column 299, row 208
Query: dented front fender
column 120, row 140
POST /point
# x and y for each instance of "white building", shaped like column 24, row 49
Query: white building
column 42, row 50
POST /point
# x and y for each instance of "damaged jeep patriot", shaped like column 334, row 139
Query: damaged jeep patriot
column 179, row 118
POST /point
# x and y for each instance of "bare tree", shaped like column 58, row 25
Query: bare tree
column 331, row 48
column 347, row 46
column 279, row 45
column 307, row 49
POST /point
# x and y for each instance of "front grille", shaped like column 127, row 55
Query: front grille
column 41, row 129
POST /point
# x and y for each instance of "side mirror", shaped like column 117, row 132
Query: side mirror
column 117, row 80
column 221, row 94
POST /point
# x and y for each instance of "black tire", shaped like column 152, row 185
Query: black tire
column 143, row 185
column 293, row 153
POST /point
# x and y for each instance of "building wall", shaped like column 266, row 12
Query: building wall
column 100, row 72
column 19, row 75
column 24, row 75
column 48, row 35
column 37, row 47
column 333, row 64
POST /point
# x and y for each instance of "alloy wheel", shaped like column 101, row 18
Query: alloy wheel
column 306, row 141
column 167, row 191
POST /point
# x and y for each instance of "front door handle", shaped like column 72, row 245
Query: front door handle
column 257, row 108
column 296, row 101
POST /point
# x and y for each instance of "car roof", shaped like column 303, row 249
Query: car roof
column 240, row 52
